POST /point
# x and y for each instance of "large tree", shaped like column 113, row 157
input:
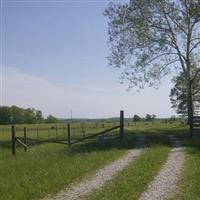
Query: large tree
column 136, row 118
column 51, row 119
column 178, row 95
column 149, row 37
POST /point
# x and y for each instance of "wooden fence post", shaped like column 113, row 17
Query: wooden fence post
column 121, row 124
column 68, row 135
column 25, row 141
column 13, row 140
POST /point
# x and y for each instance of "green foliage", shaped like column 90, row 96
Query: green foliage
column 136, row 118
column 147, row 38
column 195, row 9
column 5, row 115
column 178, row 94
column 173, row 119
column 51, row 119
column 17, row 115
column 150, row 117
column 153, row 117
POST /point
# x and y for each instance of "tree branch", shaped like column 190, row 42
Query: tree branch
column 198, row 71
column 195, row 39
column 195, row 46
column 173, row 38
column 163, row 54
column 178, row 25
column 171, row 63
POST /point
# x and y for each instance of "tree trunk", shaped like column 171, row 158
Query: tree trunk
column 190, row 108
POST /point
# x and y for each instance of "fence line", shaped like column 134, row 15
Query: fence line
column 67, row 138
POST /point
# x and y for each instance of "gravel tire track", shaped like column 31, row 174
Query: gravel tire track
column 165, row 182
column 101, row 177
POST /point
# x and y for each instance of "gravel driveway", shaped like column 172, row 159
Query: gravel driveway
column 101, row 177
column 165, row 182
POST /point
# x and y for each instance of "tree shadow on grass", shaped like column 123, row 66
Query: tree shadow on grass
column 110, row 142
column 114, row 142
column 158, row 136
column 5, row 144
column 192, row 144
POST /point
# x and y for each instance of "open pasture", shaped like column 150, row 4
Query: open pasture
column 47, row 168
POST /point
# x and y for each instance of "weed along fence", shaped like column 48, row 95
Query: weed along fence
column 68, row 134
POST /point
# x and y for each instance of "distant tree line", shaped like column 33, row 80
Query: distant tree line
column 17, row 115
column 151, row 118
column 148, row 118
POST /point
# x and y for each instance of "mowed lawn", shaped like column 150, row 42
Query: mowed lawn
column 48, row 168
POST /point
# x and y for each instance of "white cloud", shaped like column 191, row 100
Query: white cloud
column 26, row 90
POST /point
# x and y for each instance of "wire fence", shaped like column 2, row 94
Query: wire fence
column 58, row 133
column 55, row 133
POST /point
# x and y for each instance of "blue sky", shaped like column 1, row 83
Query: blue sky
column 54, row 59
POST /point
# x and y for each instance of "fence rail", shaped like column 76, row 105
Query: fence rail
column 92, row 136
column 67, row 137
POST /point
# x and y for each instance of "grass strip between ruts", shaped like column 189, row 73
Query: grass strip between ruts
column 130, row 183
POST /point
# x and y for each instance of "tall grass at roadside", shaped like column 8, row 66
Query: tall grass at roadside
column 48, row 168
column 188, row 187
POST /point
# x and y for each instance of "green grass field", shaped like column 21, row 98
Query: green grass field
column 47, row 168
